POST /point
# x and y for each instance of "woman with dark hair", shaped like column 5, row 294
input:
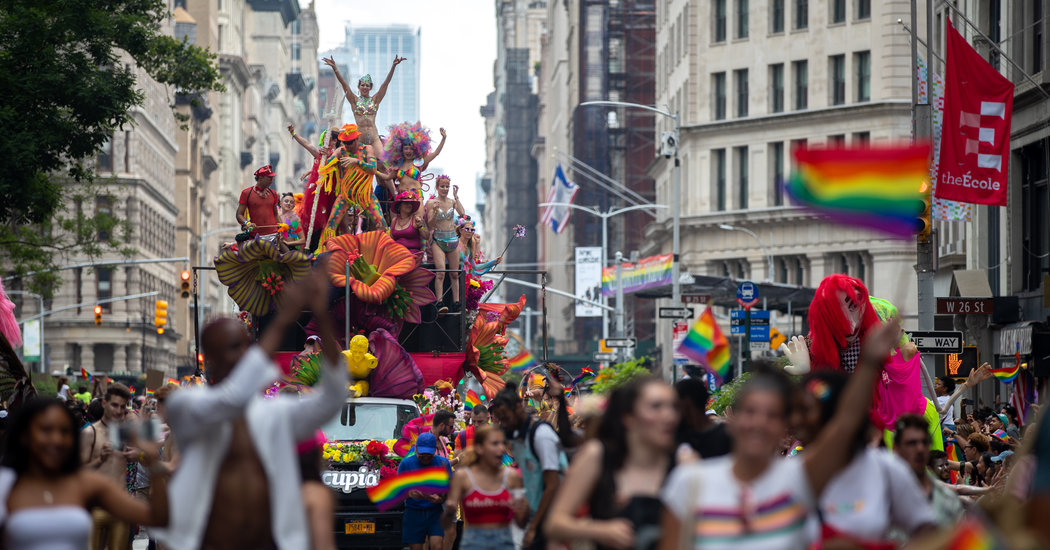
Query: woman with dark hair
column 752, row 499
column 875, row 494
column 490, row 493
column 45, row 494
column 619, row 474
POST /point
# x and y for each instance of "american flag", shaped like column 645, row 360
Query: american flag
column 1023, row 394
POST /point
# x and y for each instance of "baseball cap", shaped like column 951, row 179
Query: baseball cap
column 426, row 444
column 1003, row 419
column 313, row 338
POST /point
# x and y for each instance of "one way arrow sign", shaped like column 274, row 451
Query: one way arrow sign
column 938, row 341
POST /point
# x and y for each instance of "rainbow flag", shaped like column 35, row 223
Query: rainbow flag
column 85, row 374
column 706, row 345
column 392, row 491
column 149, row 392
column 875, row 187
column 470, row 400
column 173, row 381
column 585, row 373
column 1001, row 434
column 972, row 534
column 952, row 450
column 1007, row 374
column 523, row 361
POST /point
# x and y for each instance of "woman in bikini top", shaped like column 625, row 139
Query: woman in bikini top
column 365, row 106
column 444, row 247
column 405, row 144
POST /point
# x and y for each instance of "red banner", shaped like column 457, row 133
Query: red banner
column 975, row 140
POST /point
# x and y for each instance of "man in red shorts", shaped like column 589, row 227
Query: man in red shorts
column 260, row 203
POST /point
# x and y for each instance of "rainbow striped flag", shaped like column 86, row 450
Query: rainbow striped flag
column 951, row 448
column 972, row 534
column 470, row 400
column 173, row 381
column 1007, row 374
column 392, row 491
column 875, row 187
column 523, row 361
column 706, row 345
column 85, row 374
column 149, row 392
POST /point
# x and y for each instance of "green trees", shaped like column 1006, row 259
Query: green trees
column 65, row 89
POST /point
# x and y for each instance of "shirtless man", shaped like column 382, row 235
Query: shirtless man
column 97, row 454
column 225, row 493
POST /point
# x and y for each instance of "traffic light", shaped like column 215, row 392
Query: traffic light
column 184, row 283
column 98, row 316
column 200, row 363
column 160, row 315
column 924, row 222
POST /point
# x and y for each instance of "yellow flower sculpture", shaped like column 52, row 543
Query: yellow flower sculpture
column 376, row 261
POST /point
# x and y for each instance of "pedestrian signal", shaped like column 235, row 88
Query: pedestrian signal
column 160, row 315
column 184, row 284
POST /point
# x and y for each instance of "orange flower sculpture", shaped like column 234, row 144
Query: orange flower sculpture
column 485, row 344
column 376, row 261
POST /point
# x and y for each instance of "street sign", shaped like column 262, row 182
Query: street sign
column 937, row 341
column 676, row 313
column 760, row 333
column 965, row 306
column 776, row 338
column 747, row 291
column 759, row 346
column 695, row 299
column 604, row 357
column 620, row 342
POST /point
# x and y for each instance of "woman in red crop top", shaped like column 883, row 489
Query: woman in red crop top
column 491, row 494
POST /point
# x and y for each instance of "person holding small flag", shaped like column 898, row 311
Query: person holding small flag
column 421, row 527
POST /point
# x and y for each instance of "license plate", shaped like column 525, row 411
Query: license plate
column 360, row 528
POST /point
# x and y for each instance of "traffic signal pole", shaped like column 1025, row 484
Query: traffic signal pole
column 922, row 124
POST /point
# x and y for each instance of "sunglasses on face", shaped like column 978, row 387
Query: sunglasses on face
column 469, row 229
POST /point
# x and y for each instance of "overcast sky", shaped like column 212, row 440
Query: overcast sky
column 458, row 50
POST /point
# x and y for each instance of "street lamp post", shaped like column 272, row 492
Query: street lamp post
column 605, row 239
column 769, row 257
column 676, row 192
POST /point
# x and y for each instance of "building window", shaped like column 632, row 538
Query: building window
column 776, row 168
column 105, row 157
column 801, row 70
column 719, row 85
column 104, row 207
column 861, row 139
column 837, row 140
column 296, row 51
column 777, row 18
column 801, row 14
column 796, row 144
column 863, row 9
column 837, row 70
column 104, row 287
column 1037, row 37
column 740, row 76
column 862, row 62
column 776, row 84
column 838, row 11
column 1035, row 201
column 741, row 18
column 222, row 36
column 742, row 173
column 720, row 178
column 720, row 20
column 296, row 28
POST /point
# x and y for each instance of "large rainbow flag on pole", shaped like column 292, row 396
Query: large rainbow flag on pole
column 707, row 345
column 391, row 491
column 523, row 361
column 875, row 187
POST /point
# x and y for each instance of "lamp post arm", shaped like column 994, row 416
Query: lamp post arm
column 628, row 104
column 636, row 207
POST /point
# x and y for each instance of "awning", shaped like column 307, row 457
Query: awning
column 1015, row 338
column 722, row 291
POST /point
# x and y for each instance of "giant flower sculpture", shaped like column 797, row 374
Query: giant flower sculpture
column 256, row 273
column 486, row 342
column 411, row 432
column 376, row 261
column 411, row 292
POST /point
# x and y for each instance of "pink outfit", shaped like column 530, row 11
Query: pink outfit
column 899, row 392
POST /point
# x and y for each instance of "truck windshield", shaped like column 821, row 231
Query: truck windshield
column 366, row 421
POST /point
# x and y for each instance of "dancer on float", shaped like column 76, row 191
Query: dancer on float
column 444, row 248
column 313, row 218
column 350, row 175
column 408, row 228
column 293, row 236
column 257, row 207
column 405, row 144
column 365, row 106
column 470, row 249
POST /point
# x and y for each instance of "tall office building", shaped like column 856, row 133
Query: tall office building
column 371, row 50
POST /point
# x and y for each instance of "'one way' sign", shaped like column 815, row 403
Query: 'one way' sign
column 938, row 341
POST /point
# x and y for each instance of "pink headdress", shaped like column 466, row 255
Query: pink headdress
column 403, row 134
column 8, row 323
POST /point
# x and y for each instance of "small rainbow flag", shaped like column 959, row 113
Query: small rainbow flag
column 707, row 345
column 149, row 392
column 85, row 374
column 973, row 535
column 523, row 361
column 1007, row 374
column 951, row 449
column 875, row 187
column 1001, row 434
column 585, row 373
column 392, row 491
column 470, row 400
column 173, row 381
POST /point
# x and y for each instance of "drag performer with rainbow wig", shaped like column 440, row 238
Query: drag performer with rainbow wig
column 405, row 144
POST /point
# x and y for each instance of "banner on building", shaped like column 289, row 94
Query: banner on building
column 647, row 273
column 31, row 341
column 588, row 280
column 975, row 139
column 562, row 191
